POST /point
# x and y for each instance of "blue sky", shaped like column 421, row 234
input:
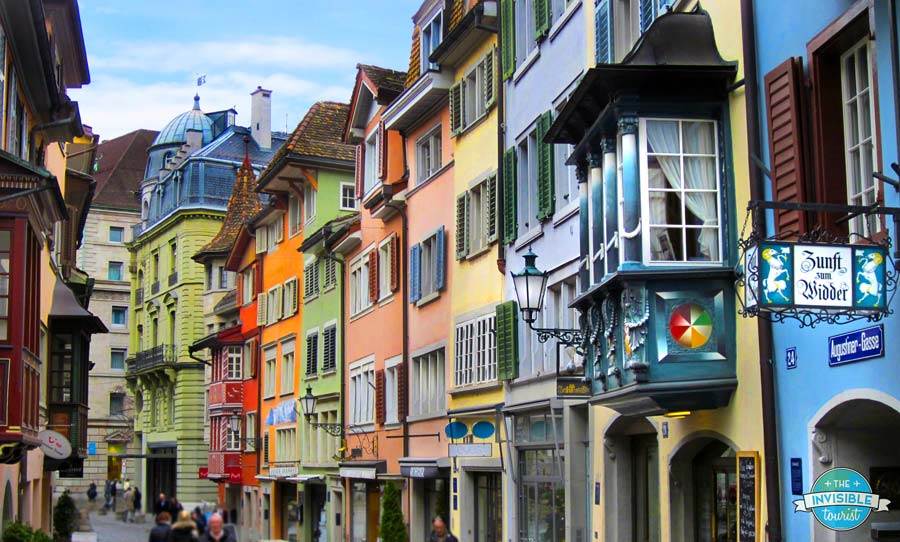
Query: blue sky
column 145, row 55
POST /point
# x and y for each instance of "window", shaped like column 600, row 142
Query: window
column 120, row 316
column 116, row 234
column 208, row 274
column 558, row 315
column 392, row 377
column 274, row 300
column 430, row 39
column 362, row 393
column 475, row 352
column 173, row 256
column 859, row 137
column 370, row 174
column 117, row 358
column 114, row 271
column 248, row 290
column 290, row 297
column 275, row 232
column 427, row 384
column 155, row 266
column 359, row 285
column 384, row 267
column 286, row 445
column 348, row 197
column 234, row 363
column 250, row 425
column 309, row 203
column 329, row 348
column 287, row 367
column 269, row 375
column 232, row 437
column 476, row 218
column 558, row 7
column 680, row 172
column 5, row 250
column 526, row 180
column 473, row 96
column 541, row 489
column 294, row 218
column 526, row 40
column 427, row 267
column 428, row 154
column 116, row 404
column 224, row 282
column 565, row 179
column 312, row 352
column 627, row 27
column 311, row 280
column 330, row 273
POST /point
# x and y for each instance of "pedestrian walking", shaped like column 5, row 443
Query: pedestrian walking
column 137, row 499
column 112, row 493
column 440, row 532
column 128, row 505
column 184, row 530
column 160, row 531
column 161, row 504
column 92, row 492
column 200, row 519
column 175, row 507
column 218, row 531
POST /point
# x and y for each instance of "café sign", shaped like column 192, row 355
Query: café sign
column 816, row 277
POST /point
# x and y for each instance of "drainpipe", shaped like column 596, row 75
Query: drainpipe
column 340, row 262
column 501, row 131
column 895, row 74
column 764, row 327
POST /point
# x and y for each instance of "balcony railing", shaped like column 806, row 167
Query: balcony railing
column 173, row 278
column 154, row 358
column 167, row 210
column 226, row 394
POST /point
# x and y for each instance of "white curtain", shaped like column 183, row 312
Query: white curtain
column 699, row 174
column 663, row 137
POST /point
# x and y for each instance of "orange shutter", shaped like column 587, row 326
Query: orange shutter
column 360, row 168
column 395, row 263
column 373, row 275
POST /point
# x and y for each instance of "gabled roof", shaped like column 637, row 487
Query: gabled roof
column 384, row 79
column 373, row 84
column 457, row 10
column 243, row 205
column 121, row 162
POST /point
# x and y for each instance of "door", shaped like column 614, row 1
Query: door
column 645, row 481
column 488, row 507
column 161, row 469
column 358, row 513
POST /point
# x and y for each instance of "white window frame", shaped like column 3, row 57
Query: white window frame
column 362, row 392
column 527, row 171
column 428, row 265
column 248, row 293
column 275, row 232
column 867, row 193
column 646, row 226
column 270, row 365
column 525, row 42
column 359, row 284
column 565, row 178
column 385, row 261
column 295, row 219
column 428, row 159
column 427, row 384
column 626, row 25
column 286, row 445
column 475, row 351
column 250, row 429
column 426, row 40
column 344, row 199
column 232, row 438
column 118, row 229
column 288, row 366
column 479, row 215
column 392, row 390
column 309, row 203
column 234, row 362
column 370, row 173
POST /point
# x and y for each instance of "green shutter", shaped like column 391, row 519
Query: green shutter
column 509, row 196
column 455, row 108
column 542, row 18
column 490, row 214
column 508, row 37
column 507, row 327
column 546, row 193
column 462, row 225
column 490, row 74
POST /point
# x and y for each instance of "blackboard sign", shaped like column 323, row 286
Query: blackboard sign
column 748, row 496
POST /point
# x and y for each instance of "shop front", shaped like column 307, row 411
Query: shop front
column 428, row 480
column 364, row 502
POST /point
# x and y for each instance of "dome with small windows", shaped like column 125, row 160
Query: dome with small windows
column 175, row 131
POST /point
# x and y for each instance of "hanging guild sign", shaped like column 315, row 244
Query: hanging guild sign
column 816, row 277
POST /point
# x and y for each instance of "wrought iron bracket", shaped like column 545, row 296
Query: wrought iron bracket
column 568, row 337
column 333, row 429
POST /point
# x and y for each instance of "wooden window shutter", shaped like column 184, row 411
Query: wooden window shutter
column 292, row 293
column 490, row 73
column 261, row 240
column 783, row 88
column 402, row 392
column 279, row 302
column 603, row 47
column 382, row 151
column 360, row 168
column 462, row 225
column 546, row 193
column 507, row 327
column 379, row 397
column 509, row 196
column 490, row 212
column 415, row 267
column 395, row 263
column 508, row 37
column 647, row 14
column 254, row 359
column 261, row 309
column 440, row 261
column 542, row 18
column 455, row 108
column 373, row 275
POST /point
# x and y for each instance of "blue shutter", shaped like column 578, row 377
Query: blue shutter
column 648, row 13
column 415, row 281
column 603, row 34
column 440, row 262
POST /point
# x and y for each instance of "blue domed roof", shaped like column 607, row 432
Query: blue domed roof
column 174, row 132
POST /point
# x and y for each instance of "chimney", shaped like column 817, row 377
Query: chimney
column 194, row 139
column 261, row 117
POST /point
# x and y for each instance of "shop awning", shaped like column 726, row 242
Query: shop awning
column 364, row 470
column 303, row 478
column 65, row 308
column 425, row 467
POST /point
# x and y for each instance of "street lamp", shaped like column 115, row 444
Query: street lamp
column 308, row 408
column 234, row 422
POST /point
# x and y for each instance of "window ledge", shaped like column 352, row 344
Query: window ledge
column 308, row 299
column 428, row 299
column 269, row 396
column 563, row 19
column 483, row 250
column 474, row 123
column 361, row 427
column 528, row 238
column 526, row 64
column 286, row 393
column 329, row 372
column 480, row 387
column 429, row 416
column 566, row 213
column 362, row 313
column 386, row 299
column 310, row 376
column 392, row 425
column 427, row 180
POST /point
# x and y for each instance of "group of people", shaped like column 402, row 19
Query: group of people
column 191, row 527
column 130, row 497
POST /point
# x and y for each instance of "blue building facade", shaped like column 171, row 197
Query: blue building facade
column 828, row 121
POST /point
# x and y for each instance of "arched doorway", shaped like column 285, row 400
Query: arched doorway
column 8, row 502
column 631, row 480
column 703, row 490
column 862, row 434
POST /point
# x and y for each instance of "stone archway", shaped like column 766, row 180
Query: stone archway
column 860, row 431
column 703, row 489
column 631, row 480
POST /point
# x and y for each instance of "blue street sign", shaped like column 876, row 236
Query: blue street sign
column 856, row 345
column 790, row 357
column 92, row 448
column 796, row 476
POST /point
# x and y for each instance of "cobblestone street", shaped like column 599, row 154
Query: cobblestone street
column 110, row 528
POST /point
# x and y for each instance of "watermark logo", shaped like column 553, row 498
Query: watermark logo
column 841, row 499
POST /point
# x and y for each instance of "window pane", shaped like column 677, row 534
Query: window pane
column 699, row 138
column 663, row 137
column 665, row 244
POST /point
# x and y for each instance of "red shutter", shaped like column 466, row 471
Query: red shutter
column 379, row 397
column 373, row 275
column 360, row 168
column 395, row 263
column 382, row 151
column 783, row 88
column 402, row 392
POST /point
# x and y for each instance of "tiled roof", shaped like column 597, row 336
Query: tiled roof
column 318, row 135
column 457, row 10
column 227, row 303
column 243, row 205
column 384, row 78
column 230, row 146
column 413, row 74
column 121, row 162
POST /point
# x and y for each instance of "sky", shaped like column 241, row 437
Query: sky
column 145, row 55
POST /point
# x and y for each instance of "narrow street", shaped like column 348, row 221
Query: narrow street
column 110, row 528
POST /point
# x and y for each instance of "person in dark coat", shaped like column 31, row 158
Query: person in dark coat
column 160, row 531
column 440, row 532
column 199, row 519
column 92, row 492
column 183, row 530
column 217, row 531
column 161, row 504
column 137, row 499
